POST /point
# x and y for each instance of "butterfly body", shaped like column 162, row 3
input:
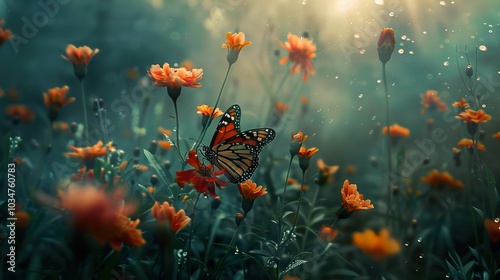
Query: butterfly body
column 236, row 152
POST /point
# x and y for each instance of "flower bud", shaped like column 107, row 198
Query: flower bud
column 386, row 44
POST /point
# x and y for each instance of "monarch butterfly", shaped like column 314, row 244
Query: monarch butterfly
column 236, row 152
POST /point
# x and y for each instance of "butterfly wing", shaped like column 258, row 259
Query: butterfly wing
column 238, row 156
column 228, row 126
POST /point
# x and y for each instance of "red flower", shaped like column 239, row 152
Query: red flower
column 203, row 178
column 386, row 44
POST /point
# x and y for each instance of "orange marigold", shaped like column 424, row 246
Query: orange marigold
column 471, row 116
column 174, row 78
column 461, row 104
column 5, row 34
column 56, row 98
column 208, row 111
column 20, row 112
column 165, row 212
column 234, row 44
column 250, row 191
column 88, row 152
column 301, row 51
column 80, row 58
column 431, row 101
column 325, row 172
column 296, row 143
column 352, row 200
column 469, row 143
column 327, row 233
column 396, row 131
column 100, row 216
column 376, row 245
column 496, row 135
column 493, row 228
column 438, row 179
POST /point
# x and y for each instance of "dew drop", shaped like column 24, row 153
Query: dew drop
column 429, row 76
column 424, row 32
column 411, row 52
column 356, row 36
column 484, row 105
column 490, row 31
column 362, row 51
column 374, row 117
column 370, row 132
column 498, row 72
column 483, row 48
column 360, row 108
column 446, row 63
column 337, row 77
column 497, row 220
column 391, row 14
column 380, row 81
column 403, row 37
column 401, row 51
column 407, row 244
column 360, row 95
column 442, row 3
column 419, row 239
column 304, row 2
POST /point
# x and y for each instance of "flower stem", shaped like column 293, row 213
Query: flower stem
column 220, row 264
column 84, row 100
column 295, row 219
column 304, row 241
column 191, row 234
column 280, row 219
column 204, row 131
column 389, row 157
column 177, row 131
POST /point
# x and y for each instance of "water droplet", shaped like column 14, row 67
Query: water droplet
column 483, row 48
column 360, row 95
column 391, row 14
column 401, row 51
column 411, row 52
column 490, row 31
column 497, row 220
column 446, row 63
column 374, row 117
column 484, row 105
column 360, row 108
column 424, row 32
column 337, row 77
column 370, row 132
column 421, row 256
column 442, row 3
column 429, row 76
column 362, row 51
column 407, row 244
column 419, row 239
column 357, row 36
column 304, row 2
column 403, row 37
column 498, row 72
column 380, row 81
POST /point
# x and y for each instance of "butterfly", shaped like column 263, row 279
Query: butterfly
column 236, row 152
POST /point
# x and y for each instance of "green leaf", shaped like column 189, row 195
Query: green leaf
column 152, row 161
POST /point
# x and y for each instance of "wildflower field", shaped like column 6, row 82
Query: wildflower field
column 217, row 146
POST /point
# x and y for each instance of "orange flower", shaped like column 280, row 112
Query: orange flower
column 165, row 144
column 280, row 107
column 56, row 98
column 351, row 169
column 296, row 142
column 396, row 131
column 440, row 180
column 165, row 212
column 496, row 136
column 5, row 34
column 250, row 191
column 386, row 44
column 80, row 58
column 325, row 172
column 100, row 216
column 20, row 112
column 301, row 51
column 469, row 143
column 327, row 233
column 461, row 104
column 202, row 178
column 303, row 100
column 208, row 111
column 234, row 44
column 376, row 245
column 164, row 131
column 304, row 157
column 174, row 78
column 88, row 154
column 432, row 101
column 493, row 228
column 473, row 116
column 352, row 200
